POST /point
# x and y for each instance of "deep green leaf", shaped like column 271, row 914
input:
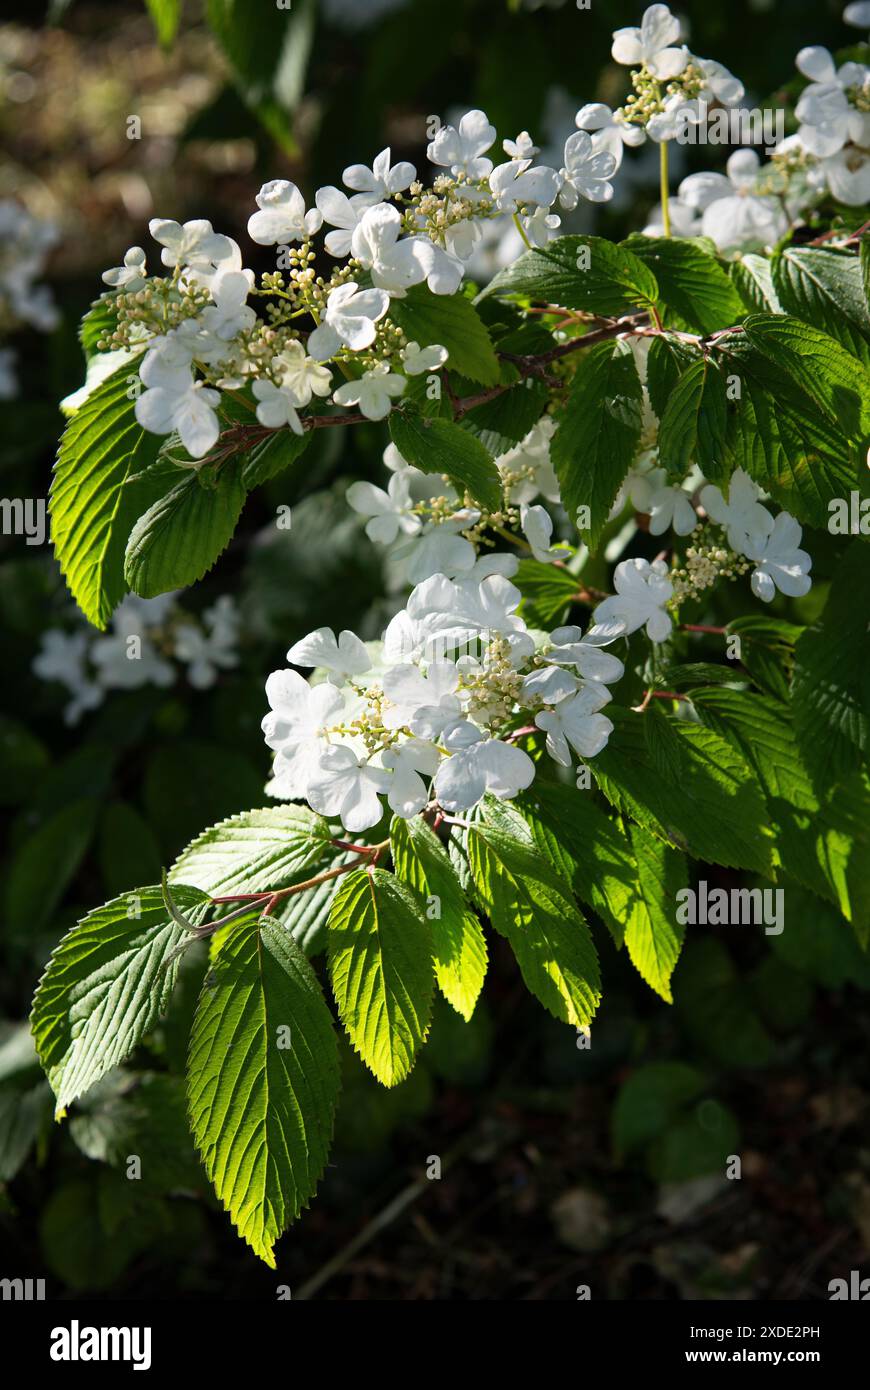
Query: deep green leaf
column 181, row 536
column 615, row 282
column 438, row 446
column 452, row 321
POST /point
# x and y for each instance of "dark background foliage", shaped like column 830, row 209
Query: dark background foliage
column 562, row 1166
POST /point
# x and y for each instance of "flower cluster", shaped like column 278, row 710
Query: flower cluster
column 145, row 637
column 431, row 715
column 201, row 336
column 25, row 242
column 751, row 205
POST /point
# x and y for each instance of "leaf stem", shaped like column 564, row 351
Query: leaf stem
column 664, row 187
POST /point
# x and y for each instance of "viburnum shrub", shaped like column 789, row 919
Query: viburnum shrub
column 535, row 730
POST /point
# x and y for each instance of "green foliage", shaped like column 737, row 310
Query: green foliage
column 263, row 1080
column 694, row 290
column 599, row 428
column 380, row 965
column 614, row 280
column 454, row 323
column 438, row 446
column 181, row 536
column 106, row 985
column 97, row 493
column 694, row 421
column 268, row 50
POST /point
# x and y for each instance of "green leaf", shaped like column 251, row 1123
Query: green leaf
column 816, row 841
column 615, row 282
column 723, row 821
column 256, row 850
column 93, row 503
column 30, row 894
column 823, row 370
column 754, row 283
column 717, row 1009
column 661, row 1111
column 693, row 424
column 128, row 849
column 598, row 434
column 501, row 423
column 779, row 436
column 166, row 15
column 653, row 937
column 438, row 446
column 268, row 51
column 25, row 1115
column 767, row 651
column 181, row 536
column 530, row 904
column 824, row 286
column 380, row 963
column 105, row 987
column 547, row 591
column 586, row 847
column 100, row 321
column 272, row 456
column 457, row 938
column 452, row 321
column 692, row 284
column 650, row 1099
column 263, row 1080
column 23, row 758
column 668, row 358
column 831, row 694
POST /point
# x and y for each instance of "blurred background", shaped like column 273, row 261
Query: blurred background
column 562, row 1166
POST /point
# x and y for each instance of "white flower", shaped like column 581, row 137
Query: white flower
column 537, row 527
column 521, row 148
column 828, row 121
column 651, row 44
column 342, row 786
column 440, row 550
column 230, row 314
column 858, row 13
column 341, row 212
column 62, row 657
column 540, row 227
column 721, row 85
column 417, row 360
column 349, row 319
column 566, row 647
column 734, row 215
column 642, row 590
column 373, row 392
column 174, row 401
column 282, row 216
column 479, row 765
column 277, row 406
column 684, row 220
column 742, row 515
column 608, row 132
column 131, row 275
column 674, row 120
column 516, row 183
column 382, row 180
column 586, row 171
column 576, row 721
column 296, row 728
column 211, row 648
column 426, row 704
column 526, row 469
column 442, row 614
column 407, row 793
column 122, row 665
column 780, row 564
column 666, row 504
column 462, row 150
column 194, row 244
column 300, row 376
column 847, row 175
column 342, row 658
column 395, row 265
column 390, row 511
